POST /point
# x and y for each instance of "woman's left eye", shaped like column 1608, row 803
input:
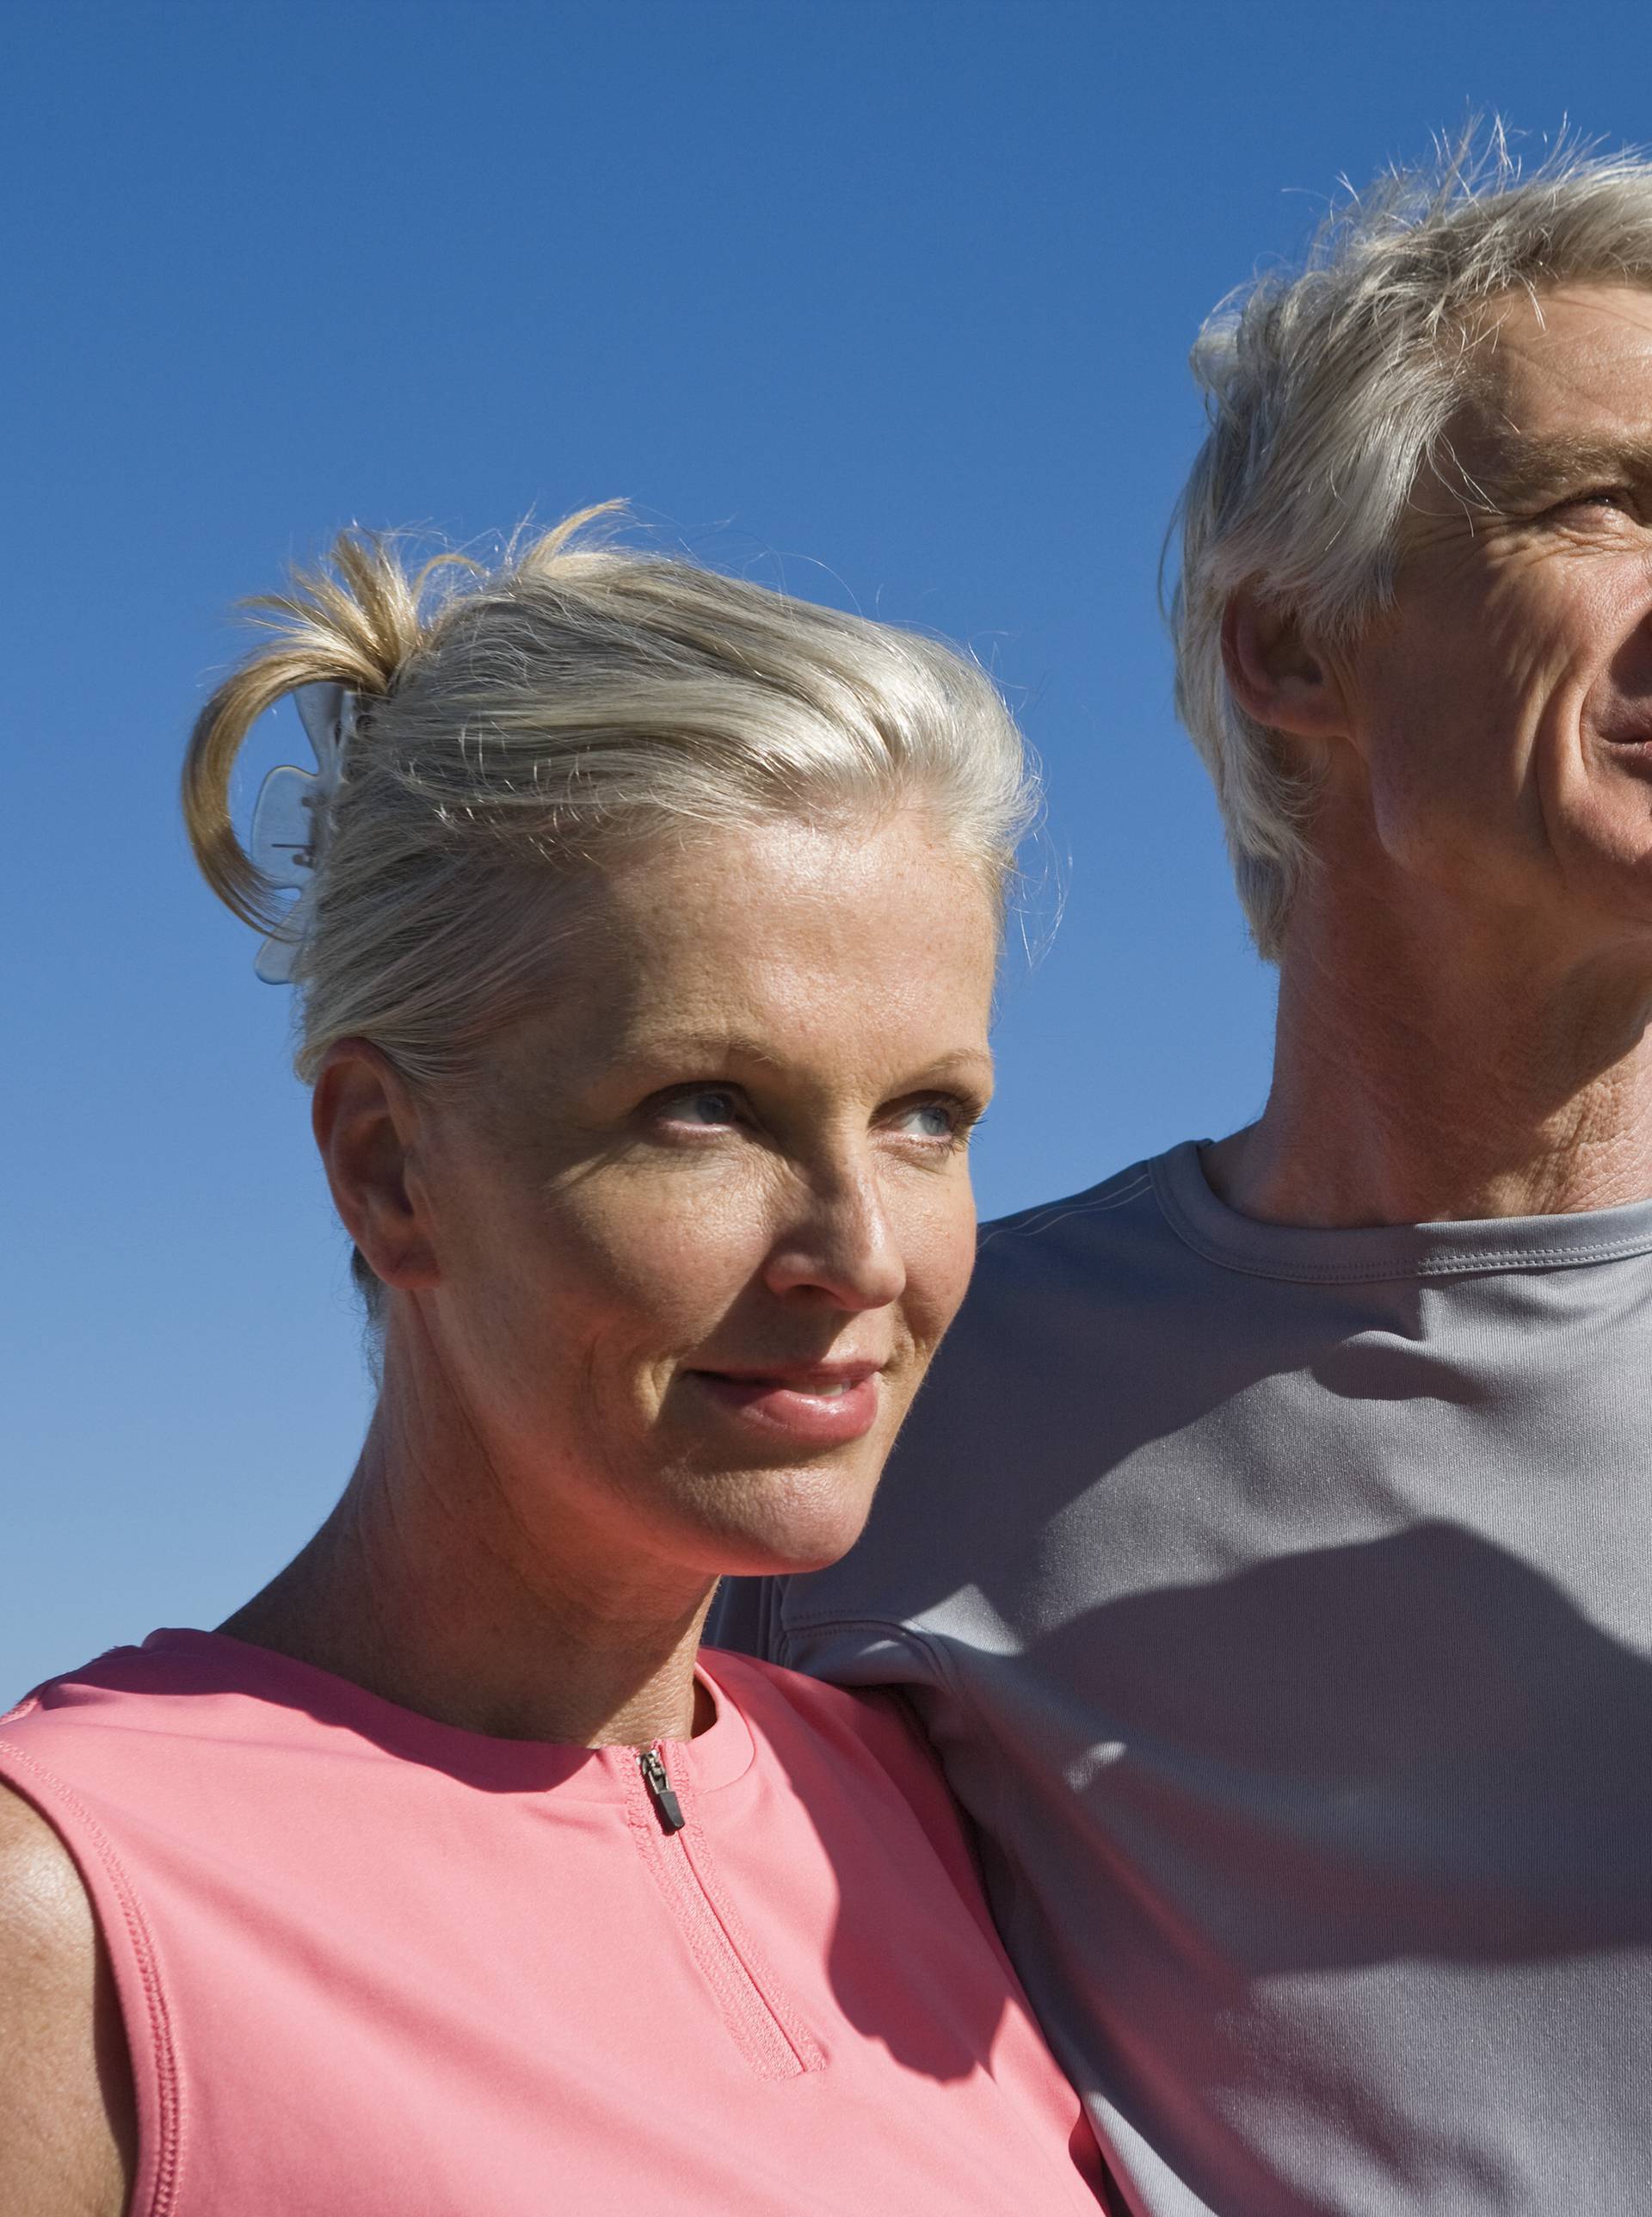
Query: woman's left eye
column 932, row 1120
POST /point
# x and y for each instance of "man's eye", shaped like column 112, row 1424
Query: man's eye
column 704, row 1106
column 1602, row 496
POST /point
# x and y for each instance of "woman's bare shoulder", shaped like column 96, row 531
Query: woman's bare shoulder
column 66, row 2128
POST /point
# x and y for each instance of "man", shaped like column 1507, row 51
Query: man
column 1271, row 1557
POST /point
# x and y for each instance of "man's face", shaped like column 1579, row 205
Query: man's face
column 1501, row 714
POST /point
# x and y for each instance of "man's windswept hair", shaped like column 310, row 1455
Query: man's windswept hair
column 1329, row 390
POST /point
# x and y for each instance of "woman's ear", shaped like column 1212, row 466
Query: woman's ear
column 366, row 1126
column 1278, row 679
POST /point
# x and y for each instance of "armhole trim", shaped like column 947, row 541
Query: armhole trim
column 140, row 1990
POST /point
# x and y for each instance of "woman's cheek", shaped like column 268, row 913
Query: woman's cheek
column 671, row 1249
column 938, row 1236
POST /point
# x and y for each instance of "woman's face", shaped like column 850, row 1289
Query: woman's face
column 693, row 1238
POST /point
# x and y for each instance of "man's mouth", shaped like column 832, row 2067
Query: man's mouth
column 1628, row 738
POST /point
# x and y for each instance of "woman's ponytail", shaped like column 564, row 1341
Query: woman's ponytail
column 353, row 624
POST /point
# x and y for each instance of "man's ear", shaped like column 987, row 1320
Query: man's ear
column 1278, row 679
column 366, row 1126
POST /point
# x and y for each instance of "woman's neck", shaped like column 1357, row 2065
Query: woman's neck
column 420, row 1588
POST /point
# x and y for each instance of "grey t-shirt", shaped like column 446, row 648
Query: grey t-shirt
column 1280, row 1603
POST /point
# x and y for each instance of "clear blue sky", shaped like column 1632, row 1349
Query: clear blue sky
column 889, row 298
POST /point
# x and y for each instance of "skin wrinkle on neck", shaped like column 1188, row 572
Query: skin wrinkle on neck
column 387, row 1592
column 1403, row 1096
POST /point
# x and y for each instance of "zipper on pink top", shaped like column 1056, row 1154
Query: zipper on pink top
column 767, row 2030
column 659, row 1785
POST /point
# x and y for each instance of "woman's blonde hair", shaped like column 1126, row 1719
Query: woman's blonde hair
column 515, row 725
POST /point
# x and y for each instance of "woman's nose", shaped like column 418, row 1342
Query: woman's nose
column 841, row 1244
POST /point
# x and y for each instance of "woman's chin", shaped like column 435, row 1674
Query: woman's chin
column 779, row 1523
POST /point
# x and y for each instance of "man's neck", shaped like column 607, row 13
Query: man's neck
column 1431, row 1067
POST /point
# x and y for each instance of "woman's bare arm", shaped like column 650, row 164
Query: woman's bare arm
column 67, row 2134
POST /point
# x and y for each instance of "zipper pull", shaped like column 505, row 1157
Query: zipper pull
column 659, row 1785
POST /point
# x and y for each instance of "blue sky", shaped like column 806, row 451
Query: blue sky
column 886, row 300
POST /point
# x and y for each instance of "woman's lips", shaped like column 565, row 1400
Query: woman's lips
column 822, row 1407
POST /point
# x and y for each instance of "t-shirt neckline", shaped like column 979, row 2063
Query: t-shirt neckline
column 1311, row 1256
column 714, row 1757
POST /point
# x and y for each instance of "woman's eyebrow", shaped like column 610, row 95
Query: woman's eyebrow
column 965, row 1065
column 704, row 1049
column 714, row 1053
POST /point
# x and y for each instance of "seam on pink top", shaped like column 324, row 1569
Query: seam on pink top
column 169, row 2152
column 764, row 1984
column 767, row 2035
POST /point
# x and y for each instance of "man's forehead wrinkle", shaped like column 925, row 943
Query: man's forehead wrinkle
column 1489, row 454
column 1531, row 462
column 1533, row 348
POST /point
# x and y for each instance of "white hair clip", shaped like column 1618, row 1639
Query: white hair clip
column 289, row 823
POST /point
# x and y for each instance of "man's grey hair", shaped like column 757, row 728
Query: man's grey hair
column 1329, row 390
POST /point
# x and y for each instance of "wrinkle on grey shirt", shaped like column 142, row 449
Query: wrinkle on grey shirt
column 1280, row 1604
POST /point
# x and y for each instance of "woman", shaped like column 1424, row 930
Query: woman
column 645, row 938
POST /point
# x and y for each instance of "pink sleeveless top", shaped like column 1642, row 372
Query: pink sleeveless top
column 373, row 1964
